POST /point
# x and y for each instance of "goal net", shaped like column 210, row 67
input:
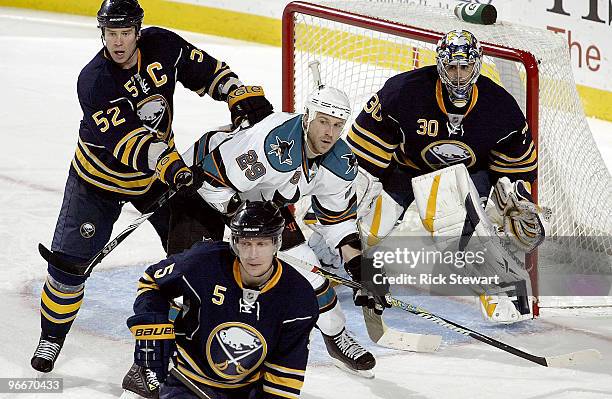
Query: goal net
column 360, row 44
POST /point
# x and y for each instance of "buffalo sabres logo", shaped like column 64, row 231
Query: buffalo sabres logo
column 155, row 114
column 441, row 154
column 282, row 149
column 351, row 163
column 87, row 230
column 235, row 349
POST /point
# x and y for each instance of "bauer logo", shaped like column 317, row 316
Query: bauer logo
column 154, row 331
column 87, row 230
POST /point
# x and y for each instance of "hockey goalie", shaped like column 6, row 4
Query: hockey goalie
column 452, row 212
column 442, row 115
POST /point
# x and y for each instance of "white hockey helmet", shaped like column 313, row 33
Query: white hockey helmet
column 329, row 101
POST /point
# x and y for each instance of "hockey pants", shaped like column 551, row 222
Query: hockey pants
column 84, row 226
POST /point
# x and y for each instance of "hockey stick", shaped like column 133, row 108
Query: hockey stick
column 189, row 384
column 378, row 331
column 565, row 360
column 388, row 337
column 85, row 269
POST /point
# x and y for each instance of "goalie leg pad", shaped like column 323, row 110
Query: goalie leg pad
column 504, row 309
column 441, row 198
column 450, row 209
column 378, row 223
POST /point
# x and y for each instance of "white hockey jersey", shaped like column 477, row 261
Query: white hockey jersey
column 268, row 162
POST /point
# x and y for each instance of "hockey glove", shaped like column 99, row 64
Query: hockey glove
column 328, row 257
column 524, row 223
column 248, row 103
column 372, row 295
column 154, row 342
column 171, row 169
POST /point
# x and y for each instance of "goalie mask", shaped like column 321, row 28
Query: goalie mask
column 459, row 59
column 257, row 219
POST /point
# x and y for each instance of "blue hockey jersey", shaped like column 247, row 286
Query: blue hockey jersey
column 410, row 122
column 229, row 337
column 125, row 110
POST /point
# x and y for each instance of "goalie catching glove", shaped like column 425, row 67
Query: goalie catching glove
column 524, row 223
column 248, row 103
column 372, row 295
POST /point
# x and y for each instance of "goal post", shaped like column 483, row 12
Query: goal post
column 361, row 43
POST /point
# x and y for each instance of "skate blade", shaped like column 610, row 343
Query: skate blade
column 41, row 375
column 130, row 395
column 368, row 374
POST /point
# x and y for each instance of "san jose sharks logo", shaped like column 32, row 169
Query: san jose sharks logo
column 282, row 149
column 351, row 163
column 235, row 349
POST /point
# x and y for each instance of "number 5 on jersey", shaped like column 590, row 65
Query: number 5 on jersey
column 218, row 296
column 253, row 170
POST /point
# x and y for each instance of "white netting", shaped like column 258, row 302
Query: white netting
column 573, row 179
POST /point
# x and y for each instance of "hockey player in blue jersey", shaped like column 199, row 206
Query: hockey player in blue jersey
column 245, row 320
column 125, row 150
column 438, row 116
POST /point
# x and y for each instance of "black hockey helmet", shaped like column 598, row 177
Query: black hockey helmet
column 257, row 219
column 120, row 14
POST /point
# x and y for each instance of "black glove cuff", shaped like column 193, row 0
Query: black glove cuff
column 352, row 240
column 353, row 268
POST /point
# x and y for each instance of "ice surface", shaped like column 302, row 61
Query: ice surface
column 41, row 56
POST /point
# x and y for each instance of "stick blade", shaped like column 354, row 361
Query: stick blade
column 405, row 341
column 391, row 338
column 574, row 358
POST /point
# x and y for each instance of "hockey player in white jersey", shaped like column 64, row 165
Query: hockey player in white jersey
column 284, row 158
